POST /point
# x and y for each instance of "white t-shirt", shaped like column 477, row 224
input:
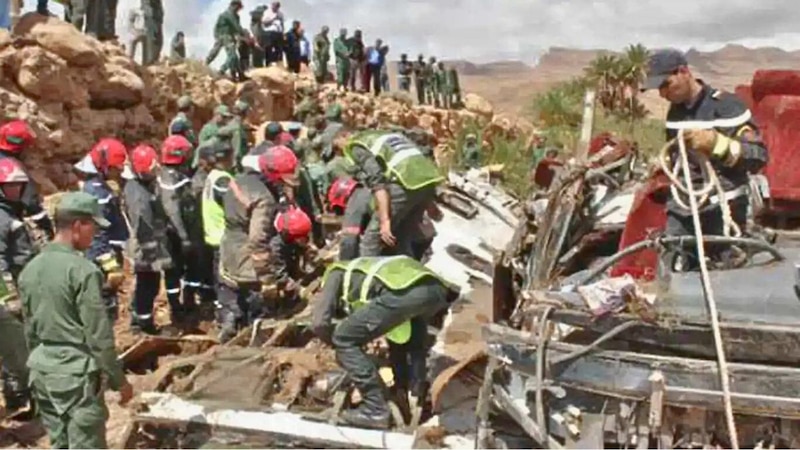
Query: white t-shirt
column 136, row 20
column 272, row 21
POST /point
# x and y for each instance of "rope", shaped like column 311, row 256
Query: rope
column 696, row 200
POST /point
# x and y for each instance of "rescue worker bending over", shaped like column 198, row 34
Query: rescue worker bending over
column 184, row 228
column 220, row 158
column 147, row 247
column 15, row 137
column 287, row 248
column 104, row 169
column 349, row 198
column 251, row 205
column 16, row 249
column 403, row 181
column 392, row 296
column 72, row 353
column 719, row 126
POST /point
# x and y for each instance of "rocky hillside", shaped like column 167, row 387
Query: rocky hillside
column 510, row 89
column 74, row 90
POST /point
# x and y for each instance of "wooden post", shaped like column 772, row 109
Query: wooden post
column 587, row 126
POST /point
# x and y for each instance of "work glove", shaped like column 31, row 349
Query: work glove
column 708, row 142
column 269, row 290
column 114, row 280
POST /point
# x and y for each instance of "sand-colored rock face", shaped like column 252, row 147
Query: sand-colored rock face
column 74, row 90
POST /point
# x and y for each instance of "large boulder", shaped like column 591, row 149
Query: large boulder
column 61, row 38
column 46, row 77
column 476, row 104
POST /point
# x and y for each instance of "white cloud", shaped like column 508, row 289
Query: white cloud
column 482, row 30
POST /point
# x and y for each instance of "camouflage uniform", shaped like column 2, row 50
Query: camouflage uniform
column 321, row 55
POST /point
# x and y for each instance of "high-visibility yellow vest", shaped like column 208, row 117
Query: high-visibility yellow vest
column 403, row 160
column 395, row 272
column 213, row 213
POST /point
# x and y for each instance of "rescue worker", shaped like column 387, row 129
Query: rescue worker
column 333, row 125
column 355, row 48
column 431, row 77
column 227, row 31
column 222, row 116
column 321, row 55
column 184, row 229
column 404, row 188
column 404, row 70
column 287, row 248
column 341, row 51
column 182, row 123
column 471, row 153
column 220, row 158
column 250, row 205
column 107, row 160
column 717, row 125
column 350, row 199
column 154, row 24
column 444, row 89
column 240, row 135
column 16, row 249
column 147, row 246
column 177, row 48
column 420, row 80
column 391, row 296
column 71, row 341
column 15, row 137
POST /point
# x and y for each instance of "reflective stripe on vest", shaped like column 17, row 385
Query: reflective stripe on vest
column 213, row 213
column 396, row 273
column 404, row 161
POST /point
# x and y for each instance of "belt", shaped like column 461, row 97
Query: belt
column 731, row 195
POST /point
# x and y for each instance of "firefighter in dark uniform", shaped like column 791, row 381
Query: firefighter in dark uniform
column 147, row 247
column 353, row 201
column 184, row 228
column 718, row 125
column 107, row 160
column 391, row 296
column 16, row 249
column 15, row 137
column 246, row 282
column 287, row 248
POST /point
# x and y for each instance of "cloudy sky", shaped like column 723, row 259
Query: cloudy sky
column 483, row 30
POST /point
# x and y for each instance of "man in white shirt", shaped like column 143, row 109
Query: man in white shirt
column 138, row 31
column 272, row 22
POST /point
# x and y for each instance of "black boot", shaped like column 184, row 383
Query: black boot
column 17, row 396
column 143, row 326
column 373, row 412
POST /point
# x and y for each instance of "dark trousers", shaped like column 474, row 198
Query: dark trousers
column 273, row 48
column 681, row 224
column 404, row 82
column 182, row 280
column 407, row 209
column 237, row 307
column 380, row 316
column 410, row 360
column 144, row 295
column 375, row 75
column 420, row 88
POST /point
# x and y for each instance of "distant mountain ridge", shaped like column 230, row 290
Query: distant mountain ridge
column 510, row 85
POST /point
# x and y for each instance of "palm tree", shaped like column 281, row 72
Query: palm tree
column 601, row 71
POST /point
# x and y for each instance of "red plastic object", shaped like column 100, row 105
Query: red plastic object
column 775, row 82
column 647, row 216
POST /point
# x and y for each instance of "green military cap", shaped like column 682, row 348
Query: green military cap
column 334, row 112
column 184, row 102
column 240, row 106
column 81, row 204
column 222, row 110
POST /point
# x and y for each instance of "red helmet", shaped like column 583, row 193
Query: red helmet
column 144, row 159
column 293, row 223
column 11, row 171
column 175, row 150
column 279, row 163
column 284, row 138
column 107, row 153
column 15, row 136
column 340, row 191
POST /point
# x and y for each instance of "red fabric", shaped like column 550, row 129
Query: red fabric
column 598, row 142
column 775, row 82
column 647, row 216
column 544, row 173
column 744, row 92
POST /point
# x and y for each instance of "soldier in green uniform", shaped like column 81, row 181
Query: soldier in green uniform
column 392, row 296
column 431, row 88
column 342, row 53
column 240, row 135
column 69, row 334
column 322, row 55
column 455, row 87
column 177, row 49
column 420, row 80
column 183, row 120
column 404, row 70
column 227, row 31
column 16, row 249
column 154, row 28
column 442, row 86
